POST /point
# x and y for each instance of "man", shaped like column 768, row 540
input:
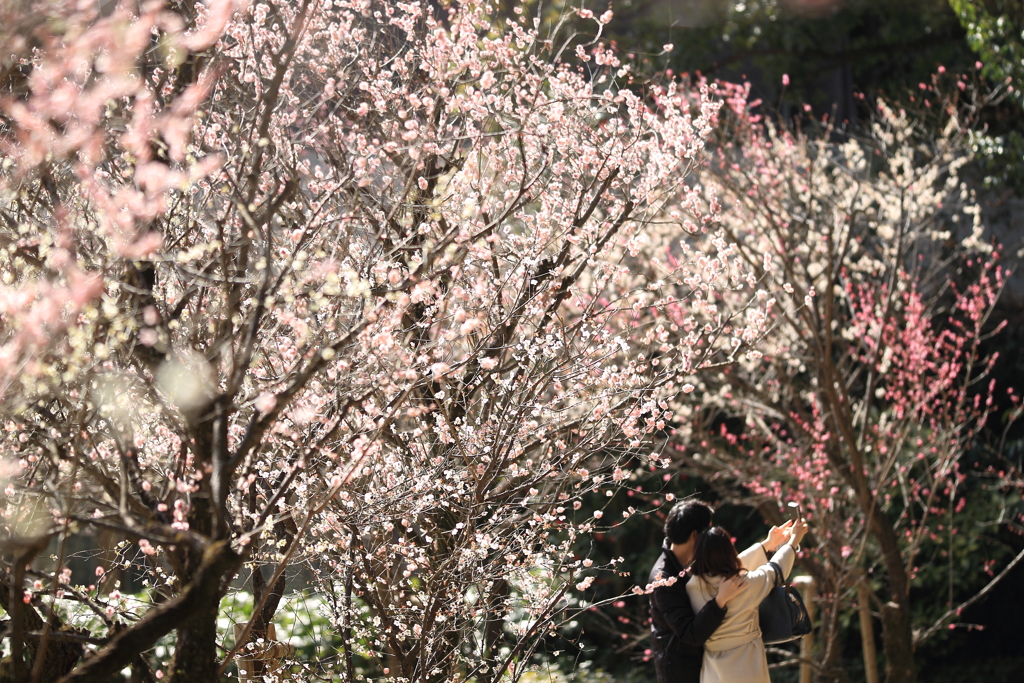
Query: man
column 678, row 633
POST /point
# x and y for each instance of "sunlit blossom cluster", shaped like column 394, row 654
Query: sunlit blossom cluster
column 360, row 286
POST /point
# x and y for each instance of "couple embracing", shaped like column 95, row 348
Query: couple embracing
column 704, row 604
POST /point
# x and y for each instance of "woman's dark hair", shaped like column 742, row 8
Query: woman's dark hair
column 685, row 518
column 715, row 555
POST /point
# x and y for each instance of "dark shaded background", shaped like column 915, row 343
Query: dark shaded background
column 839, row 56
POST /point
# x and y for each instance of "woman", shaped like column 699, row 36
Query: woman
column 735, row 652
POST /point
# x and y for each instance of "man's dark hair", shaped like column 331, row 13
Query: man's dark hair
column 715, row 554
column 685, row 518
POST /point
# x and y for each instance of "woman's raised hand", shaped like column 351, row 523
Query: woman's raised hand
column 797, row 532
column 777, row 535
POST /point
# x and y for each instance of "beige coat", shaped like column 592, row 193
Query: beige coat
column 735, row 652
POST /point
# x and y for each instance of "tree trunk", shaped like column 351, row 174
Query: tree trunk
column 195, row 655
column 897, row 635
column 898, row 642
column 261, row 621
column 831, row 651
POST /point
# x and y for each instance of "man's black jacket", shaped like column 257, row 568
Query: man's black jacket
column 678, row 633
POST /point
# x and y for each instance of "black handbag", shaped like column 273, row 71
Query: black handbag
column 782, row 614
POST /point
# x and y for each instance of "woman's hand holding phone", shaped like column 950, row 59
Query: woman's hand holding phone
column 797, row 532
column 777, row 535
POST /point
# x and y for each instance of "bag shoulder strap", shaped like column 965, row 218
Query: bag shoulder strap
column 779, row 579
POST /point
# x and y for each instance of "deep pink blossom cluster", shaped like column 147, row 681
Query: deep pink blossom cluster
column 874, row 385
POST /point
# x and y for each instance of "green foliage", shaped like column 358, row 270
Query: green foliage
column 301, row 621
column 584, row 673
column 1000, row 158
column 963, row 554
column 995, row 31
